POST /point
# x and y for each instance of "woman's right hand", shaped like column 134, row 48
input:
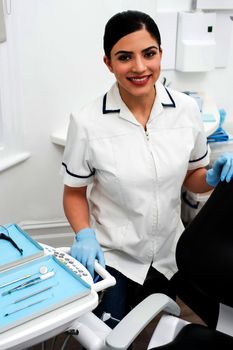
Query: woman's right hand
column 86, row 249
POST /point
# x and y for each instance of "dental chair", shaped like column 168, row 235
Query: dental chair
column 204, row 258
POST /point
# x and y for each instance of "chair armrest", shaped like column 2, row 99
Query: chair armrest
column 138, row 318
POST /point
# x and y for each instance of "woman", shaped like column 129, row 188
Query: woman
column 137, row 146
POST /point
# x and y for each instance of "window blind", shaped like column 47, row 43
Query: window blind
column 2, row 24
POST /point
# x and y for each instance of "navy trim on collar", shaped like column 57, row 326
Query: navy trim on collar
column 106, row 111
column 169, row 104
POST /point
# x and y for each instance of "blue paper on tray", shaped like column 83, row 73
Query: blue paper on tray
column 22, row 305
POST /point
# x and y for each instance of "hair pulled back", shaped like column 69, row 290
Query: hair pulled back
column 126, row 22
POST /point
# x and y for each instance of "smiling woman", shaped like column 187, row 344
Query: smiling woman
column 136, row 145
column 136, row 68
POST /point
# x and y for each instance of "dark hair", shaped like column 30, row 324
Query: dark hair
column 126, row 22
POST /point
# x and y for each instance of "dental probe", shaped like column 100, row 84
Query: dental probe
column 33, row 294
column 43, row 269
column 29, row 283
column 25, row 307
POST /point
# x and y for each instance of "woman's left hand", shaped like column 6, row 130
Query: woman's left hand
column 222, row 170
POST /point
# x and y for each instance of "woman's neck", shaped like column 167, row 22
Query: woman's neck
column 140, row 106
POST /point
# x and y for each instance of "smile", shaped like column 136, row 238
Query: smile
column 139, row 80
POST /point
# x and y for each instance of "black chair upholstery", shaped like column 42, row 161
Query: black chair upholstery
column 204, row 258
column 198, row 337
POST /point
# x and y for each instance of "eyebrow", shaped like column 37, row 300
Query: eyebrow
column 130, row 52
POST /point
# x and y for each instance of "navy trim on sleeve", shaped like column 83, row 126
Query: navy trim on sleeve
column 75, row 175
column 196, row 160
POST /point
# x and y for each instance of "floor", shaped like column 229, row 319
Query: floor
column 62, row 342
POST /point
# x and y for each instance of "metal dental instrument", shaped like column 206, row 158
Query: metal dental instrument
column 25, row 307
column 29, row 283
column 43, row 269
column 17, row 280
column 33, row 294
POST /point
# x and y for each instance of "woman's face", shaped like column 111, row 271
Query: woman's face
column 135, row 62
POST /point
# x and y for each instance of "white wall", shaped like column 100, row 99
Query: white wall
column 59, row 55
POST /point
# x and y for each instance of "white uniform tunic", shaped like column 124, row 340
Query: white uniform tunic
column 136, row 176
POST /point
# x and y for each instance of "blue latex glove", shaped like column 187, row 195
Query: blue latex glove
column 222, row 170
column 86, row 249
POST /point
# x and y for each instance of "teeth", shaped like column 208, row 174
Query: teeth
column 139, row 79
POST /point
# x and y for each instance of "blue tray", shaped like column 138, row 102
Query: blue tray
column 9, row 255
column 66, row 287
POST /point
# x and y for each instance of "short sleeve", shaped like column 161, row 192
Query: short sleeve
column 76, row 167
column 200, row 153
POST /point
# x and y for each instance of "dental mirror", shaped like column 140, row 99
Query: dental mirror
column 43, row 269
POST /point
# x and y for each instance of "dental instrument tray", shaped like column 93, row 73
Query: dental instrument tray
column 17, row 247
column 35, row 288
